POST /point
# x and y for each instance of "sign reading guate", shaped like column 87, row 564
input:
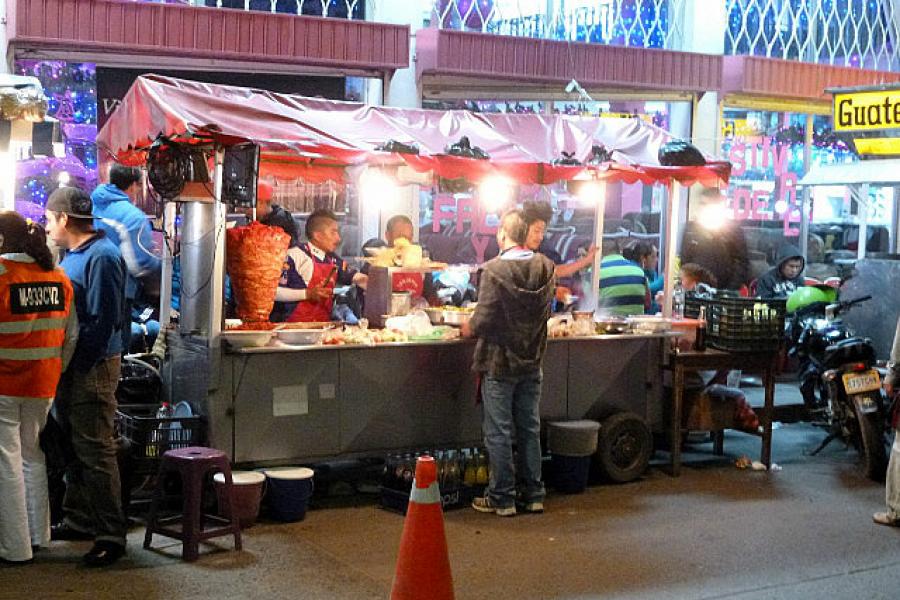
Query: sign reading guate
column 867, row 111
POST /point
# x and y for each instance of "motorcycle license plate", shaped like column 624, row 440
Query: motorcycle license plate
column 856, row 383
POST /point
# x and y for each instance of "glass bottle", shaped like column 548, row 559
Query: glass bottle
column 481, row 473
column 470, row 475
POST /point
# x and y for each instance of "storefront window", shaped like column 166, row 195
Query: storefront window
column 72, row 92
column 766, row 150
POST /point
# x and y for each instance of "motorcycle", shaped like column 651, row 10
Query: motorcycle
column 840, row 382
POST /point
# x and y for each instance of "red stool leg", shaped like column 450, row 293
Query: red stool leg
column 154, row 504
column 191, row 514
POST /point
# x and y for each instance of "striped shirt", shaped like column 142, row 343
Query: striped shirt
column 623, row 287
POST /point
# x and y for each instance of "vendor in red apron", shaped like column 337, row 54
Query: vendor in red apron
column 313, row 271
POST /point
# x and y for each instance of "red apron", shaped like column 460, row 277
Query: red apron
column 308, row 311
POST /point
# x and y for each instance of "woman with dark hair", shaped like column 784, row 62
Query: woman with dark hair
column 645, row 255
column 38, row 329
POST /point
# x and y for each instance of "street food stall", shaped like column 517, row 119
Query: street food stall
column 356, row 391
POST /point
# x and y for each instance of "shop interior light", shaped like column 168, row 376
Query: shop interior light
column 63, row 178
column 378, row 187
column 781, row 207
column 713, row 216
column 496, row 193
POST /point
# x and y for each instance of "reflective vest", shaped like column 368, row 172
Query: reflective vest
column 34, row 307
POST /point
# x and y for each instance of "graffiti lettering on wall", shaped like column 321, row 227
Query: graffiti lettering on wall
column 764, row 204
column 462, row 210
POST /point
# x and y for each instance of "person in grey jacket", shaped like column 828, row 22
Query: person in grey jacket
column 892, row 481
column 785, row 277
column 510, row 324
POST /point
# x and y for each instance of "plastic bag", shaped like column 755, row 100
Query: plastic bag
column 679, row 153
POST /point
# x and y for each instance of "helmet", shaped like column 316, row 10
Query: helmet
column 805, row 296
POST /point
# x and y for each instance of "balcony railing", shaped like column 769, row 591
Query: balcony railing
column 635, row 23
column 339, row 9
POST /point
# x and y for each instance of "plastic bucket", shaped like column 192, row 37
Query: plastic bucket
column 288, row 492
column 246, row 494
column 569, row 474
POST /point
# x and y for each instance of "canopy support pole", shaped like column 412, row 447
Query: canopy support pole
column 592, row 297
column 218, row 274
column 673, row 206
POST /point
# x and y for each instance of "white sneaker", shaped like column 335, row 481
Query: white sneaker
column 533, row 507
column 485, row 504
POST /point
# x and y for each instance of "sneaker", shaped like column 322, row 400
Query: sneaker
column 486, row 505
column 533, row 507
column 885, row 518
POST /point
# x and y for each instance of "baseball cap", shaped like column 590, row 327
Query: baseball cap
column 72, row 201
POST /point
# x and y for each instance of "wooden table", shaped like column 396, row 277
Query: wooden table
column 681, row 362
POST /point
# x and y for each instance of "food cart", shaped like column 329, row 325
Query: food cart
column 287, row 403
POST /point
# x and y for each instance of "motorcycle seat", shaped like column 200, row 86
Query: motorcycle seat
column 853, row 349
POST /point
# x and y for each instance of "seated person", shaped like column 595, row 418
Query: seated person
column 785, row 277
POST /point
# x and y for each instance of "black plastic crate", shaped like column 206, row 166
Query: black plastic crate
column 151, row 436
column 398, row 500
column 739, row 324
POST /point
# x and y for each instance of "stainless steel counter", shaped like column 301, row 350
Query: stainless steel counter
column 279, row 404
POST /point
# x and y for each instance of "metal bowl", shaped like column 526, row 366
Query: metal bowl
column 300, row 337
column 247, row 338
column 456, row 317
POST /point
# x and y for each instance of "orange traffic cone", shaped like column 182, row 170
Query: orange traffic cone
column 423, row 567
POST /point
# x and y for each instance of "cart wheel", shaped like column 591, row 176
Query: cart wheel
column 624, row 447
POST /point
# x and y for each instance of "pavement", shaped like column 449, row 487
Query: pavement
column 715, row 532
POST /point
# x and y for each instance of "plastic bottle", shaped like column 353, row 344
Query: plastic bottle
column 678, row 301
column 157, row 437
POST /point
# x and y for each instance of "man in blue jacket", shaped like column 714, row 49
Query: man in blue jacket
column 128, row 227
column 85, row 403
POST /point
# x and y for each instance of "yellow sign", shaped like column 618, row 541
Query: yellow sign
column 737, row 128
column 878, row 146
column 867, row 111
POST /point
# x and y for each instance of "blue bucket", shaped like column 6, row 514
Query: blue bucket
column 287, row 492
column 569, row 474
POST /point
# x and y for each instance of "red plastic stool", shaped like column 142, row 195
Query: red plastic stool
column 192, row 464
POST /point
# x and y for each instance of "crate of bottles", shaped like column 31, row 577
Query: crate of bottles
column 739, row 324
column 151, row 434
column 462, row 475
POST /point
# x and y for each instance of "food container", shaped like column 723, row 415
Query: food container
column 401, row 303
column 435, row 314
column 300, row 337
column 582, row 322
column 649, row 324
column 457, row 317
column 247, row 338
column 611, row 326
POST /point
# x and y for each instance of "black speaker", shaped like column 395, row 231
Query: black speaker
column 42, row 137
column 239, row 170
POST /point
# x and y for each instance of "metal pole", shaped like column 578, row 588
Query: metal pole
column 168, row 265
column 862, row 201
column 806, row 202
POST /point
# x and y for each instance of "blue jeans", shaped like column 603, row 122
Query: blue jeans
column 512, row 401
